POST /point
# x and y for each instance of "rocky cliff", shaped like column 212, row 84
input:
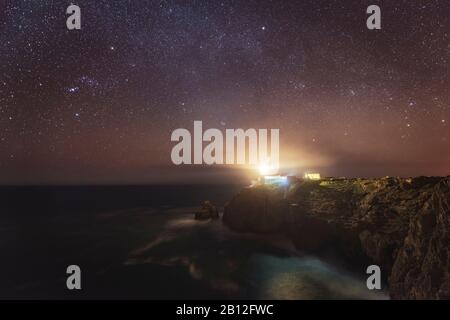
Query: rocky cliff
column 403, row 225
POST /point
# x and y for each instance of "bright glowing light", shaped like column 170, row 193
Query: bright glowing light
column 266, row 169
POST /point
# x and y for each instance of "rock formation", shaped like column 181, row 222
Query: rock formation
column 402, row 225
column 207, row 211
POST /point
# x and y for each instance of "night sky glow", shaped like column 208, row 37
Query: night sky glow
column 98, row 105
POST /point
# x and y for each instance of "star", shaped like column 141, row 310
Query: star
column 152, row 67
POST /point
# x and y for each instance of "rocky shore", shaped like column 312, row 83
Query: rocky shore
column 402, row 225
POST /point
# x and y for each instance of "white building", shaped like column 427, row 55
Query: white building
column 312, row 176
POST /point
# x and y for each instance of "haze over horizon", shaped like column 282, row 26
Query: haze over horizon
column 98, row 105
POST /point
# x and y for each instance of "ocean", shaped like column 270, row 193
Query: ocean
column 142, row 242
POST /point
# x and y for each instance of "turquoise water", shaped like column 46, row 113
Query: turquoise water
column 162, row 253
column 246, row 266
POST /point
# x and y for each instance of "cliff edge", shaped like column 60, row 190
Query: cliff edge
column 402, row 225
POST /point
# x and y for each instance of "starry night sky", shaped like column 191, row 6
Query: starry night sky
column 98, row 105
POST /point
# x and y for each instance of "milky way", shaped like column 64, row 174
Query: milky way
column 98, row 105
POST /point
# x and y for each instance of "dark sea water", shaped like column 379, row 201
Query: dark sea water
column 142, row 243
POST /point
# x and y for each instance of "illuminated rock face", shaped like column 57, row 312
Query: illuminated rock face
column 402, row 225
column 422, row 266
